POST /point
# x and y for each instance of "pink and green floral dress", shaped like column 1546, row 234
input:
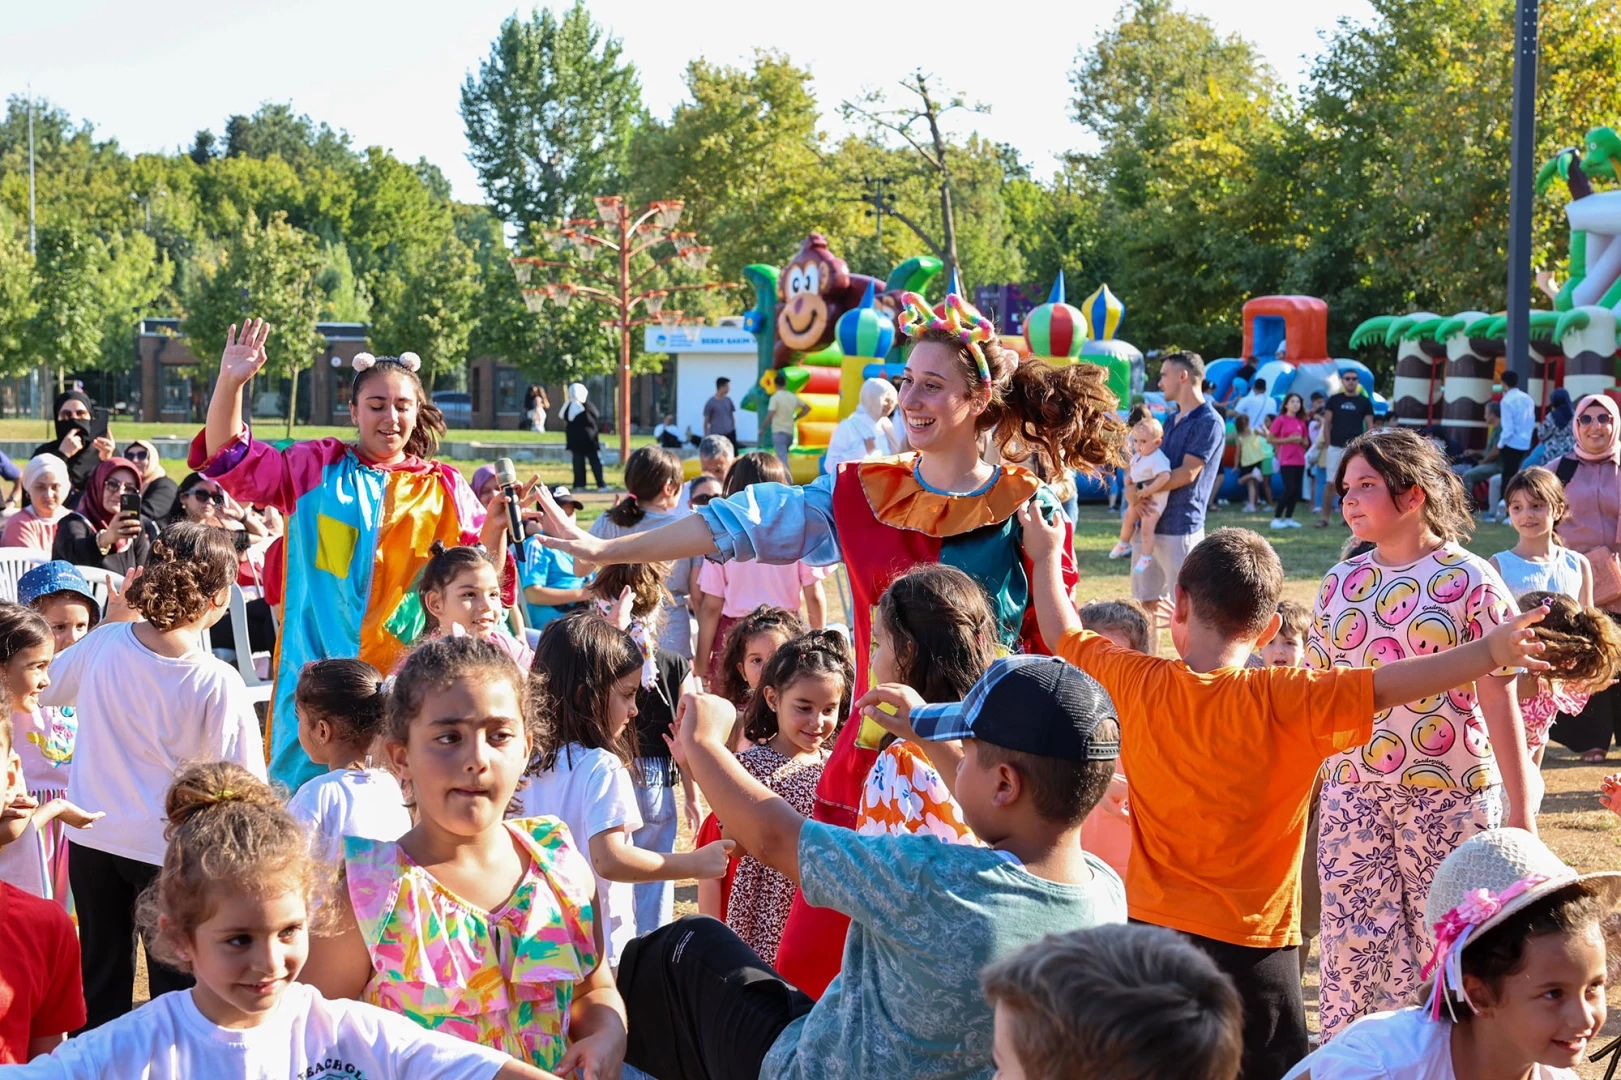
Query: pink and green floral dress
column 502, row 978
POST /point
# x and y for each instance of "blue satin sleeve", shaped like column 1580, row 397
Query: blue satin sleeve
column 776, row 524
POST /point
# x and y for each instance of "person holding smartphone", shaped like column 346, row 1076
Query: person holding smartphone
column 108, row 529
column 82, row 437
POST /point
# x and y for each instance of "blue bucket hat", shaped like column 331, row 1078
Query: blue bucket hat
column 57, row 576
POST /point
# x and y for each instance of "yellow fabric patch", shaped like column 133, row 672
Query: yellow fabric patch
column 336, row 549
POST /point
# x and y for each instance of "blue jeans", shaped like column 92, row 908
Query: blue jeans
column 655, row 900
column 781, row 443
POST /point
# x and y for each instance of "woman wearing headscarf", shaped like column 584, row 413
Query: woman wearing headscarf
column 159, row 493
column 82, row 455
column 1555, row 438
column 866, row 432
column 1591, row 474
column 582, row 430
column 99, row 534
column 45, row 479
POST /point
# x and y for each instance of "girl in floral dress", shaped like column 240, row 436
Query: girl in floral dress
column 803, row 695
column 935, row 633
column 469, row 924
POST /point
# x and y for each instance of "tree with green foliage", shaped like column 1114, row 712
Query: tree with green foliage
column 67, row 325
column 17, row 300
column 269, row 271
column 550, row 115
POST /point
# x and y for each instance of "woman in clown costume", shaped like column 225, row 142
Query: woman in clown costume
column 942, row 502
column 361, row 520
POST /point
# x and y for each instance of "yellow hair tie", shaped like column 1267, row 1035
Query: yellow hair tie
column 226, row 793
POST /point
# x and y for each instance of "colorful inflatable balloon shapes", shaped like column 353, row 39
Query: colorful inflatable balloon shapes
column 1104, row 313
column 866, row 331
column 1055, row 330
column 813, row 291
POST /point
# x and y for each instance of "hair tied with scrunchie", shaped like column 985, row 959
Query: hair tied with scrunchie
column 365, row 361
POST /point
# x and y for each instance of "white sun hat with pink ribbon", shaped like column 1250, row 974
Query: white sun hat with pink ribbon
column 1486, row 879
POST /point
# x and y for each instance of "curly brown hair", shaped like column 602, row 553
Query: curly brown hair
column 819, row 652
column 190, row 565
column 1406, row 460
column 645, row 581
column 226, row 828
column 762, row 620
column 1067, row 414
column 1581, row 645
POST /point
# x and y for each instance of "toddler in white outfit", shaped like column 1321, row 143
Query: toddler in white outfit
column 1149, row 472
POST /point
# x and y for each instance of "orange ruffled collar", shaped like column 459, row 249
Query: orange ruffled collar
column 899, row 499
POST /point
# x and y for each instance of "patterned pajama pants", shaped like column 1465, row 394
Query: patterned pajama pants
column 1377, row 851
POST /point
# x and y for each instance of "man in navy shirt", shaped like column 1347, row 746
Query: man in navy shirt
column 1194, row 439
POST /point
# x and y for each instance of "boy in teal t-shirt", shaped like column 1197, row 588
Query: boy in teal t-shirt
column 1039, row 744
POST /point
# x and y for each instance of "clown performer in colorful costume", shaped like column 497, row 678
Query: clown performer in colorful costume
column 361, row 519
column 940, row 503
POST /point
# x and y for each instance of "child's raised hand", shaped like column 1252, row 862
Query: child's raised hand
column 1514, row 644
column 703, row 719
column 709, row 861
column 890, row 705
column 244, row 353
column 1042, row 538
column 620, row 613
column 1609, row 793
column 118, row 609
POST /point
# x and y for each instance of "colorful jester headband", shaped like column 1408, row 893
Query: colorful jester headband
column 955, row 315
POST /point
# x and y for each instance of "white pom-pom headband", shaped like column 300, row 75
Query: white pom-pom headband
column 410, row 361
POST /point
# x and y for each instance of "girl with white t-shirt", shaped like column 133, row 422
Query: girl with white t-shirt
column 1519, row 974
column 148, row 700
column 582, row 770
column 232, row 906
column 340, row 715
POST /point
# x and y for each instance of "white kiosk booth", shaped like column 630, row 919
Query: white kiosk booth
column 701, row 354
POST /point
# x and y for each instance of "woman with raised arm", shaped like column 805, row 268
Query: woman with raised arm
column 942, row 503
column 361, row 519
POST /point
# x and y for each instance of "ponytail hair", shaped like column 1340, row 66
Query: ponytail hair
column 346, row 693
column 650, row 471
column 190, row 564
column 819, row 652
column 1065, row 414
column 226, row 829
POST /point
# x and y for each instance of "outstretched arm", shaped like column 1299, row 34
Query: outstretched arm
column 763, row 822
column 1512, row 644
column 678, row 540
column 244, row 355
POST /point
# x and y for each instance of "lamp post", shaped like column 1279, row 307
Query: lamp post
column 614, row 231
column 146, row 204
column 1522, row 167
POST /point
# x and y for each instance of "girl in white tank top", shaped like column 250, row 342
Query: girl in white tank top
column 1536, row 501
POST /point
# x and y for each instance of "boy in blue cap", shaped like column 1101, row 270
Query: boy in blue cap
column 1039, row 741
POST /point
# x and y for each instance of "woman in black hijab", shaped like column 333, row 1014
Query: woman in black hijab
column 75, row 446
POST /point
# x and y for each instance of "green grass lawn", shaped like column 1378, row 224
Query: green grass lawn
column 125, row 430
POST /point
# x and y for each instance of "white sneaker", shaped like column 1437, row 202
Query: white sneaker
column 1279, row 523
column 1293, row 524
column 1120, row 551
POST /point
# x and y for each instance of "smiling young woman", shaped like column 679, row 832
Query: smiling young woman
column 362, row 519
column 941, row 503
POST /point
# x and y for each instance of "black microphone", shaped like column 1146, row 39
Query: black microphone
column 507, row 477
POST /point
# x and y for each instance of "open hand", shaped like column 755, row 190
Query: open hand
column 244, row 353
column 1609, row 793
column 1515, row 645
column 596, row 1057
column 890, row 705
column 494, row 533
column 1042, row 538
column 562, row 534
column 71, row 814
column 620, row 613
column 118, row 609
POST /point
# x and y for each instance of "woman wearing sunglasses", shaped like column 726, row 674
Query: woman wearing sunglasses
column 158, row 492
column 1592, row 526
column 100, row 533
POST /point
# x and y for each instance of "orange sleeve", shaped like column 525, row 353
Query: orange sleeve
column 1121, row 672
column 1338, row 705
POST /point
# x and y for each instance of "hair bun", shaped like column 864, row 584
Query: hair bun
column 201, row 788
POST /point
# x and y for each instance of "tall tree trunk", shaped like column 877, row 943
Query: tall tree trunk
column 292, row 403
column 948, row 222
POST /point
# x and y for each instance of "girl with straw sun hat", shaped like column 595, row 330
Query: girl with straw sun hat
column 1519, row 973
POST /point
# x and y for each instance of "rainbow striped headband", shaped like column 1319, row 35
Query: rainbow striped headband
column 956, row 316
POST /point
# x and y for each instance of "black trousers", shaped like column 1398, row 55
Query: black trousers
column 1293, row 476
column 1268, row 982
column 580, row 458
column 105, row 888
column 701, row 1004
column 1511, row 460
column 1594, row 726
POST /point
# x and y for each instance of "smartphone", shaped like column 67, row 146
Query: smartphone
column 129, row 505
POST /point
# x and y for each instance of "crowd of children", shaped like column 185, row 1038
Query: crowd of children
column 993, row 833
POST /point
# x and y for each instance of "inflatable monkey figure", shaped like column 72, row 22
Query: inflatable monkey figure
column 813, row 290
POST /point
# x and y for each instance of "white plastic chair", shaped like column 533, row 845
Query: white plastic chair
column 242, row 656
column 14, row 563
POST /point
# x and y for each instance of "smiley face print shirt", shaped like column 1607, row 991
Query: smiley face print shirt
column 1369, row 614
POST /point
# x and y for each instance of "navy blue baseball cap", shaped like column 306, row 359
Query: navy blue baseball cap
column 1034, row 704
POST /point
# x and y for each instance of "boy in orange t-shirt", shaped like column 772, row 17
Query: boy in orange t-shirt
column 1222, row 759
